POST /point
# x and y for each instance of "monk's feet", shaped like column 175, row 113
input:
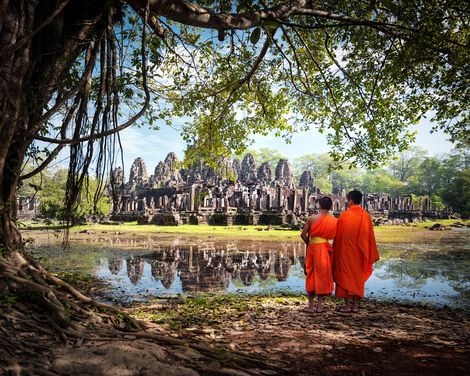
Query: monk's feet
column 309, row 310
column 344, row 308
column 354, row 309
column 319, row 310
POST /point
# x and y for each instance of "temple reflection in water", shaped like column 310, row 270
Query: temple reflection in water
column 206, row 267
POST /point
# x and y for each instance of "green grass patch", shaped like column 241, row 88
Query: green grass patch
column 204, row 311
column 383, row 233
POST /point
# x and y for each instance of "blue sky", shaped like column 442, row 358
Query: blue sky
column 153, row 146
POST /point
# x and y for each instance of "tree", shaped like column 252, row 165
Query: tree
column 319, row 164
column 266, row 155
column 455, row 177
column 380, row 180
column 429, row 177
column 51, row 192
column 407, row 163
column 75, row 73
column 457, row 193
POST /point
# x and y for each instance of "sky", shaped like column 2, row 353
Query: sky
column 154, row 145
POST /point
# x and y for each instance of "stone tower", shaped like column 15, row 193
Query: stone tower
column 248, row 171
column 284, row 174
column 138, row 176
column 265, row 174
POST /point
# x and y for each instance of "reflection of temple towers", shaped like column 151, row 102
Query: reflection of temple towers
column 135, row 269
column 164, row 271
column 114, row 265
column 207, row 267
column 247, row 270
column 265, row 263
column 247, row 276
column 204, row 269
column 164, row 266
column 282, row 267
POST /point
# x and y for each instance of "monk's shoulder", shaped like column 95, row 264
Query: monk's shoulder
column 331, row 218
column 344, row 214
column 314, row 217
column 309, row 221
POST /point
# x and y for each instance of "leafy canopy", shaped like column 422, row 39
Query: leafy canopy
column 362, row 72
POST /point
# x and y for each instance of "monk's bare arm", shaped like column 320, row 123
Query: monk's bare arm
column 304, row 234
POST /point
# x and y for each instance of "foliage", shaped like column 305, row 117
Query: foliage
column 380, row 180
column 406, row 163
column 457, row 193
column 361, row 72
column 440, row 178
column 51, row 192
column 361, row 87
column 262, row 155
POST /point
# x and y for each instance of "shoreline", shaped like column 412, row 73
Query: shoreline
column 99, row 288
column 410, row 233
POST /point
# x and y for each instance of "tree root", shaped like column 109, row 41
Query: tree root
column 50, row 307
column 39, row 272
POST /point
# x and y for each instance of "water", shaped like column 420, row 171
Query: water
column 434, row 272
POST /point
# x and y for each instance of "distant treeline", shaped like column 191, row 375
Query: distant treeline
column 444, row 178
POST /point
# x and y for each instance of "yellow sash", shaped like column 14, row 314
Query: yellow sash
column 317, row 239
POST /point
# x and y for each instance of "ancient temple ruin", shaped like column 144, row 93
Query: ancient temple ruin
column 237, row 192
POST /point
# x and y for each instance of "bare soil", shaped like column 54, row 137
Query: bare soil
column 382, row 339
column 249, row 336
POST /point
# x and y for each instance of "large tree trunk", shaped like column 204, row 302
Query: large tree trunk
column 38, row 44
column 39, row 40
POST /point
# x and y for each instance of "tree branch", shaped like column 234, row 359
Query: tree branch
column 44, row 164
column 189, row 13
column 121, row 127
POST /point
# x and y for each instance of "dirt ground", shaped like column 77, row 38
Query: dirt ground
column 382, row 339
column 268, row 335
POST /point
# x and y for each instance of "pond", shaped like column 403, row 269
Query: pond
column 137, row 268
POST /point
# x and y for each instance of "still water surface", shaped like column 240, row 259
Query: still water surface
column 434, row 272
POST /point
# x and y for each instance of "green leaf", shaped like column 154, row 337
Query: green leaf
column 271, row 24
column 255, row 34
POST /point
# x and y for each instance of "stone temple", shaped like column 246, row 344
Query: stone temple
column 238, row 193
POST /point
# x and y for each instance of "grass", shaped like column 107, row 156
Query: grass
column 383, row 233
column 211, row 310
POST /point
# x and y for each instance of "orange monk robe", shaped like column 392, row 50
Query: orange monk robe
column 355, row 252
column 319, row 279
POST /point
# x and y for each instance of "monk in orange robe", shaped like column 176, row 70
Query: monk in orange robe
column 317, row 230
column 355, row 252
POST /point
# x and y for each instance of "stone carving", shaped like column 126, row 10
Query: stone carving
column 265, row 173
column 138, row 176
column 117, row 179
column 284, row 174
column 236, row 167
column 167, row 173
column 248, row 169
column 200, row 194
column 306, row 179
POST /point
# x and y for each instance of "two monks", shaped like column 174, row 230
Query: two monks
column 355, row 250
